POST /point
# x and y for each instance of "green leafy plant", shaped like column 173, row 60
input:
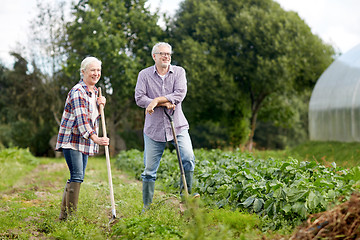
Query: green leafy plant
column 282, row 192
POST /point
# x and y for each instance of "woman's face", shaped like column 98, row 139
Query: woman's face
column 92, row 74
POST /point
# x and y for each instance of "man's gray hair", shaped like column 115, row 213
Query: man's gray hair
column 85, row 63
column 156, row 46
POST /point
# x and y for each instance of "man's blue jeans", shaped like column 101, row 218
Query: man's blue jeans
column 76, row 162
column 154, row 150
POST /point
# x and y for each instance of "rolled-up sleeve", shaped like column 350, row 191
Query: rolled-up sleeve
column 180, row 87
column 141, row 98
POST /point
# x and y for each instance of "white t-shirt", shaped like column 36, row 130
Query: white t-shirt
column 162, row 77
column 95, row 112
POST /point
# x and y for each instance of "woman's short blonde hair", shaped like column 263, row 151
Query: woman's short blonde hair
column 86, row 62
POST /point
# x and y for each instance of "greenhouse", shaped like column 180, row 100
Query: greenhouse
column 334, row 110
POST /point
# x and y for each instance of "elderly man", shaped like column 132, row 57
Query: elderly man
column 163, row 86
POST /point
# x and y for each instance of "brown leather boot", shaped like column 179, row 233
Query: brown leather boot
column 73, row 197
column 63, row 211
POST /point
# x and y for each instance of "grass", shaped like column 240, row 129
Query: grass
column 343, row 154
column 30, row 205
column 30, row 196
column 14, row 164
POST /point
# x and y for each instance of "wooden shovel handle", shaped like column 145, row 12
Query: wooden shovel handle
column 107, row 158
column 102, row 115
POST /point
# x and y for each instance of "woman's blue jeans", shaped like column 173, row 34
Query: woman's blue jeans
column 76, row 162
column 154, row 150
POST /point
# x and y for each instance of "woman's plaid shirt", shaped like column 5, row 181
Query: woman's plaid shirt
column 76, row 125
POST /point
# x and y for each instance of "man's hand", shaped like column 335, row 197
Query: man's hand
column 152, row 105
column 169, row 105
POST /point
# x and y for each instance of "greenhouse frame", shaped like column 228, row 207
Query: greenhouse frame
column 334, row 109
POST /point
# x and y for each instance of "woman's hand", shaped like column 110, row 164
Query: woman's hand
column 102, row 141
column 101, row 100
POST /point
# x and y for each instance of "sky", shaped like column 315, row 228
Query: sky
column 337, row 22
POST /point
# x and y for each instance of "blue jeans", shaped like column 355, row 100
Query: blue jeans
column 76, row 162
column 154, row 150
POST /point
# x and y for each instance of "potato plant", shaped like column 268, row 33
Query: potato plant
column 282, row 192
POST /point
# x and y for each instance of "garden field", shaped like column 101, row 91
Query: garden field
column 262, row 195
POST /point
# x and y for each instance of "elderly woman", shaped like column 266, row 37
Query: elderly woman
column 77, row 137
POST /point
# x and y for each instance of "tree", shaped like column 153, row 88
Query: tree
column 120, row 33
column 48, row 31
column 254, row 53
column 290, row 128
column 48, row 54
column 212, row 104
column 31, row 101
column 24, row 107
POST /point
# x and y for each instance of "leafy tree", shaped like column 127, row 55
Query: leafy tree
column 4, row 135
column 48, row 52
column 243, row 56
column 290, row 128
column 24, row 112
column 48, row 31
column 121, row 34
column 3, row 84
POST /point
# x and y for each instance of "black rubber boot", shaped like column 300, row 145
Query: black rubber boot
column 63, row 211
column 148, row 193
column 188, row 178
column 73, row 197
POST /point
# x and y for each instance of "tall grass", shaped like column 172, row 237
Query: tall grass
column 15, row 163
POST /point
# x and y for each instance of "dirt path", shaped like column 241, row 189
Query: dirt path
column 33, row 202
column 30, row 208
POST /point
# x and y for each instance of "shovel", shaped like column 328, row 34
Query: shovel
column 107, row 161
column 170, row 116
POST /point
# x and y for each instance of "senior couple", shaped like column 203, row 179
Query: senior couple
column 159, row 86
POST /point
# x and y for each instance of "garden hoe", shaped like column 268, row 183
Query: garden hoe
column 170, row 116
column 108, row 161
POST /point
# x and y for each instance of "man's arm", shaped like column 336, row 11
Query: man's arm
column 141, row 98
column 180, row 86
column 158, row 102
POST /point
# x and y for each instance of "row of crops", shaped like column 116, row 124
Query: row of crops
column 281, row 192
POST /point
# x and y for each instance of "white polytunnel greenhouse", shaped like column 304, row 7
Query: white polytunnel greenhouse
column 334, row 109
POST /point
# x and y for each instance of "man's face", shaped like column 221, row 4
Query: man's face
column 162, row 56
column 92, row 74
